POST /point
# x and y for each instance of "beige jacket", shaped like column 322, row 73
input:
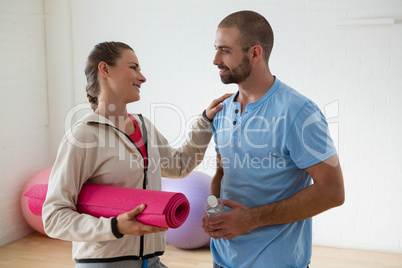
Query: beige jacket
column 94, row 151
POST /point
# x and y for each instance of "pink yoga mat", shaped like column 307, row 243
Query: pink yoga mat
column 163, row 209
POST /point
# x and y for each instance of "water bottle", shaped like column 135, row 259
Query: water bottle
column 214, row 207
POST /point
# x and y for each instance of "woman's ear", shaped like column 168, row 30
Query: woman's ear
column 103, row 69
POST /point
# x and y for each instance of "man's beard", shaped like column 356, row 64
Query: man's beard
column 238, row 74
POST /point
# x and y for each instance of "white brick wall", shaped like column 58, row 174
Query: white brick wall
column 358, row 67
column 23, row 109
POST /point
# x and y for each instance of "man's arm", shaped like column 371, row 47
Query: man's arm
column 326, row 192
column 216, row 180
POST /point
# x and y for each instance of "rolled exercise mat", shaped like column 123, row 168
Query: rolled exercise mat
column 163, row 209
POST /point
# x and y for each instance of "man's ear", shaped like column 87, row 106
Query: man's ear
column 256, row 52
column 103, row 69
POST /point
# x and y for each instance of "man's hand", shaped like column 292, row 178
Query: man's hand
column 127, row 224
column 230, row 225
column 215, row 106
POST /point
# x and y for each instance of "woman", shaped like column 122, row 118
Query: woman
column 112, row 147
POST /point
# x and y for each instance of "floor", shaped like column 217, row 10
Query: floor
column 39, row 251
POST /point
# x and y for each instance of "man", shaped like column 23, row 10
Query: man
column 271, row 143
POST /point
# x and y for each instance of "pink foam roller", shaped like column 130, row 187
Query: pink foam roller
column 163, row 209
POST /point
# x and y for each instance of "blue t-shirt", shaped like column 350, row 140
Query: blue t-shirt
column 264, row 154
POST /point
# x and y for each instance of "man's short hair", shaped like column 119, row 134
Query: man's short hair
column 254, row 30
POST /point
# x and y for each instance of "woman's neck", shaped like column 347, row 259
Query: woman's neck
column 117, row 114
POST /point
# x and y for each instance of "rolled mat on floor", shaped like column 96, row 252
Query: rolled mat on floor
column 163, row 209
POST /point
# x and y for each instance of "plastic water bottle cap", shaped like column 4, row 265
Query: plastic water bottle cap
column 212, row 201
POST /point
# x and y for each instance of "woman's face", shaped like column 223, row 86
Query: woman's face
column 125, row 78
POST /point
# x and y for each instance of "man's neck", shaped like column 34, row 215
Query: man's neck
column 253, row 89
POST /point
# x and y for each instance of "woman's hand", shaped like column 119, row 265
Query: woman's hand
column 127, row 224
column 215, row 106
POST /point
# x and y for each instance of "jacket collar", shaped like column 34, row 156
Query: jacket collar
column 94, row 117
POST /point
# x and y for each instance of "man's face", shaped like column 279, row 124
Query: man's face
column 232, row 61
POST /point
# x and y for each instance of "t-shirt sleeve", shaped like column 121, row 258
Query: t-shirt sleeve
column 213, row 128
column 309, row 141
